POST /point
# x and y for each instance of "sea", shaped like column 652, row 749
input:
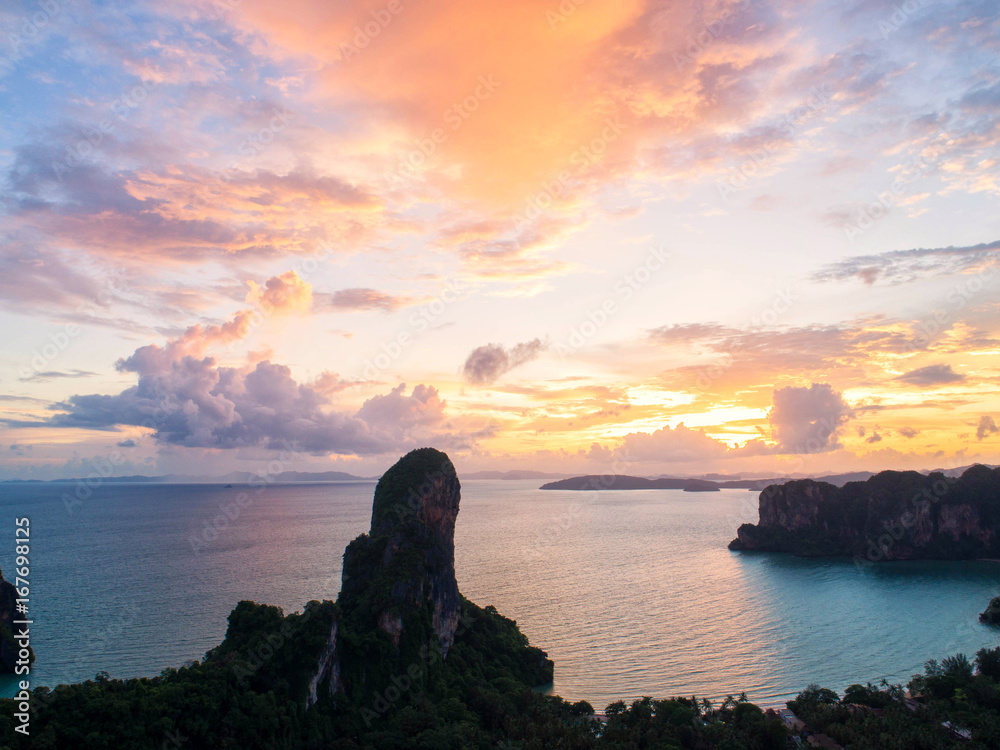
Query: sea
column 631, row 593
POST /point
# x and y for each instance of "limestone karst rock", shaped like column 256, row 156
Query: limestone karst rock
column 893, row 515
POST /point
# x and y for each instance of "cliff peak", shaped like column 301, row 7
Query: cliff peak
column 399, row 578
column 420, row 487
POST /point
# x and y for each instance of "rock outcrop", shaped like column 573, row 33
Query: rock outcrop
column 891, row 516
column 406, row 563
column 399, row 612
column 992, row 613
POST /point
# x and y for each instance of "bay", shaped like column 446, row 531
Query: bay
column 631, row 593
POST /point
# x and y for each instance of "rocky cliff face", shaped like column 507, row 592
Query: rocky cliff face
column 992, row 613
column 892, row 516
column 399, row 578
column 406, row 563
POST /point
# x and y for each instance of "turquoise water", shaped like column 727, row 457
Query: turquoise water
column 631, row 593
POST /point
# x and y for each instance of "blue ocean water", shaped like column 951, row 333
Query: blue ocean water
column 631, row 593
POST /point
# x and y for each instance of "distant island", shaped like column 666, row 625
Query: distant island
column 894, row 515
column 232, row 478
column 712, row 482
column 688, row 484
column 285, row 477
column 622, row 482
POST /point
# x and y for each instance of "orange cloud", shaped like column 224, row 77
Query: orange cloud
column 503, row 94
column 286, row 294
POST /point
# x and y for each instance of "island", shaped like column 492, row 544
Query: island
column 624, row 482
column 892, row 516
column 707, row 483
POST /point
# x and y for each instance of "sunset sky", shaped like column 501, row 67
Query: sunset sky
column 587, row 236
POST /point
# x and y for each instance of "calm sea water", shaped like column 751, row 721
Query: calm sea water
column 631, row 593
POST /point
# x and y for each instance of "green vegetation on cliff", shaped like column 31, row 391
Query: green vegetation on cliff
column 249, row 692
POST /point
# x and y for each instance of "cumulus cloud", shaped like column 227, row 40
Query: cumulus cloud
column 191, row 344
column 908, row 432
column 986, row 427
column 806, row 420
column 281, row 295
column 875, row 438
column 396, row 411
column 932, row 375
column 680, row 443
column 485, row 364
column 186, row 399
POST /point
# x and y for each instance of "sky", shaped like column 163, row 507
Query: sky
column 588, row 236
